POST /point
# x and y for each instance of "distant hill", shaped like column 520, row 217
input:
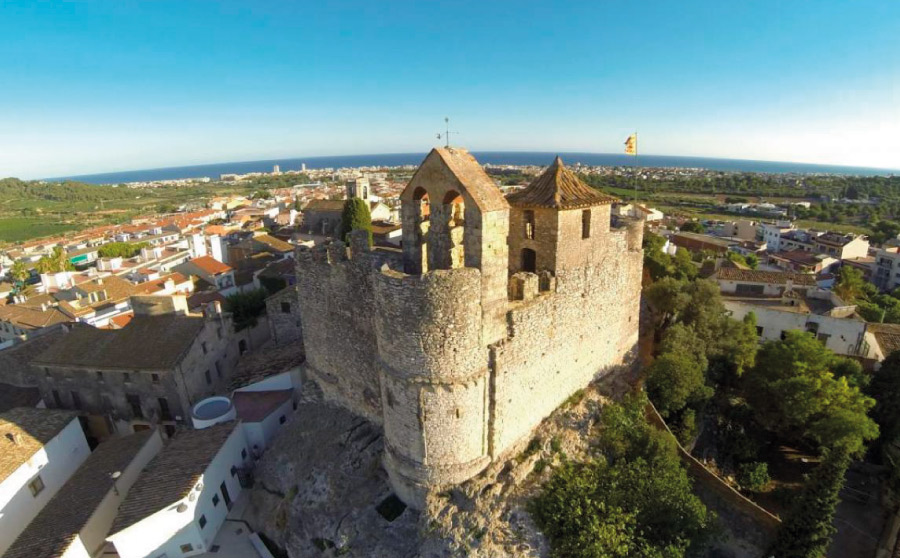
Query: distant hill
column 64, row 191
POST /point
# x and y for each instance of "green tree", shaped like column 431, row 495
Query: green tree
column 693, row 227
column 807, row 529
column 674, row 380
column 634, row 499
column 752, row 260
column 850, row 285
column 121, row 249
column 246, row 307
column 355, row 215
column 57, row 261
column 794, row 392
column 885, row 389
column 18, row 272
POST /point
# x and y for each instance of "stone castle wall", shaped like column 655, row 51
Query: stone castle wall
column 560, row 341
column 411, row 352
column 337, row 307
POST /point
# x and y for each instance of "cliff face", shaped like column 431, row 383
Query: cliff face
column 321, row 490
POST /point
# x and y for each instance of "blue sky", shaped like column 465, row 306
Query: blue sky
column 113, row 85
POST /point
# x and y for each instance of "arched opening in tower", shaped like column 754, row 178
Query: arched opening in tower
column 455, row 212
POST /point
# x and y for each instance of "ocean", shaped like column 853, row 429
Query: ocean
column 485, row 157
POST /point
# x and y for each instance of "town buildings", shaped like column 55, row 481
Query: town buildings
column 180, row 500
column 40, row 449
column 149, row 372
column 76, row 521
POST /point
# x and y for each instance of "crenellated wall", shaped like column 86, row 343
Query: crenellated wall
column 337, row 308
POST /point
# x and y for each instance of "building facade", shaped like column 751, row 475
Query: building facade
column 498, row 311
column 149, row 372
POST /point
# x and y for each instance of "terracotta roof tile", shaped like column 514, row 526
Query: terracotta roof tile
column 770, row 277
column 887, row 335
column 172, row 474
column 210, row 265
column 51, row 533
column 24, row 431
column 147, row 342
column 558, row 188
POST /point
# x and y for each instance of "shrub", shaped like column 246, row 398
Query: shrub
column 753, row 476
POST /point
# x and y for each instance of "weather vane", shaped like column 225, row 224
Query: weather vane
column 447, row 132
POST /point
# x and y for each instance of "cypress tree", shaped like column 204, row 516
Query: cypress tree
column 807, row 529
column 355, row 215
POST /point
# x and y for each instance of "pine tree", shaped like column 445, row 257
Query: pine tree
column 355, row 215
column 806, row 531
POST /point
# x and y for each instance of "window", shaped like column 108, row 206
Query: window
column 202, row 521
column 243, row 454
column 185, row 548
column 57, row 400
column 233, row 471
column 218, row 370
column 203, row 346
column 126, row 377
column 529, row 224
column 99, row 376
column 134, row 401
column 529, row 260
column 208, row 377
column 783, row 335
column 219, row 332
column 215, row 500
column 823, row 337
column 154, row 378
column 282, row 419
column 285, row 307
column 242, row 346
column 46, row 372
column 745, row 289
column 164, row 412
column 759, row 331
column 76, row 400
column 36, row 486
column 586, row 223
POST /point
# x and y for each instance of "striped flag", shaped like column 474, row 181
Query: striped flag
column 631, row 144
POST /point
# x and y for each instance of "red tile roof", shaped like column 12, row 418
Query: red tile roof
column 211, row 265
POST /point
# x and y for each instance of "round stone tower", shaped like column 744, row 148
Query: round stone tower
column 435, row 321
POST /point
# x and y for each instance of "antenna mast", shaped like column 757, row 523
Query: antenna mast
column 447, row 132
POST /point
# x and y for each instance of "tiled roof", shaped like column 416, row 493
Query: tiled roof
column 770, row 277
column 147, row 342
column 27, row 317
column 210, row 265
column 51, row 533
column 887, row 335
column 558, row 188
column 172, row 474
column 325, row 205
column 274, row 243
column 24, row 431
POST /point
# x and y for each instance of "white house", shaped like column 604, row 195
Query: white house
column 180, row 501
column 771, row 234
column 262, row 407
column 736, row 281
column 77, row 520
column 820, row 313
column 40, row 449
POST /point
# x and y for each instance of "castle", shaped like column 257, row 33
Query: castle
column 499, row 309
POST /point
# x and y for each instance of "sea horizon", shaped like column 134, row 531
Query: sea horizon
column 540, row 158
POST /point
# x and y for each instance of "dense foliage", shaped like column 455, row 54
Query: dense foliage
column 633, row 499
column 246, row 307
column 57, row 261
column 796, row 394
column 807, row 530
column 885, row 389
column 870, row 304
column 659, row 264
column 66, row 191
column 354, row 216
column 700, row 346
column 121, row 249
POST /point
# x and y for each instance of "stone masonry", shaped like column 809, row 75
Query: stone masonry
column 500, row 310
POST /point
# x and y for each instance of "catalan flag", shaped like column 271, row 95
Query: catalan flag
column 631, row 145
